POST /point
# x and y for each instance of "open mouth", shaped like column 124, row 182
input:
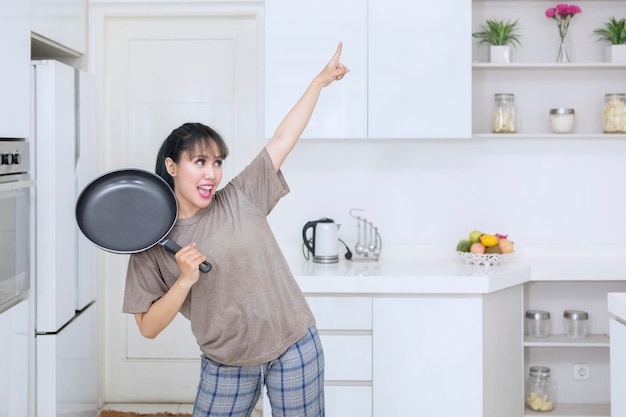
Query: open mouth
column 205, row 191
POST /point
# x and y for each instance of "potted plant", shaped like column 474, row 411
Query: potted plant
column 500, row 35
column 614, row 31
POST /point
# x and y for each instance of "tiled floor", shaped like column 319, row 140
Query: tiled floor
column 162, row 408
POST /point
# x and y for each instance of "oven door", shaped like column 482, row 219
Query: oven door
column 15, row 236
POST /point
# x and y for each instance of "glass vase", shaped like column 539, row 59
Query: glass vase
column 562, row 57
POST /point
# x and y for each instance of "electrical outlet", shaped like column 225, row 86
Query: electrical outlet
column 581, row 371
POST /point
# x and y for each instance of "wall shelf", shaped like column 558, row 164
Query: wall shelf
column 559, row 340
column 514, row 136
column 548, row 66
column 576, row 410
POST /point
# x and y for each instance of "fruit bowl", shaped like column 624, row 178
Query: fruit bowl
column 483, row 258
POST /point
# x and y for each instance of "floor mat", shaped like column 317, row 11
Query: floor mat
column 112, row 413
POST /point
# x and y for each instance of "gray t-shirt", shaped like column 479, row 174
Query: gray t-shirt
column 248, row 309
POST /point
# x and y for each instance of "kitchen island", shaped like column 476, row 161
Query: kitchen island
column 406, row 337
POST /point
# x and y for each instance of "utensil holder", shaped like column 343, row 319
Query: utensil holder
column 369, row 243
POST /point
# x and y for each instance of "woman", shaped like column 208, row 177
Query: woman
column 248, row 315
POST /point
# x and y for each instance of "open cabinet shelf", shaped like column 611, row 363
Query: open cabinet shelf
column 576, row 410
column 560, row 340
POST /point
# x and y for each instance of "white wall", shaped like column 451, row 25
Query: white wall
column 539, row 191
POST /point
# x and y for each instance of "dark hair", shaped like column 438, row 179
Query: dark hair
column 185, row 139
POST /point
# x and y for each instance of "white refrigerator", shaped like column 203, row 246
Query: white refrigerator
column 66, row 319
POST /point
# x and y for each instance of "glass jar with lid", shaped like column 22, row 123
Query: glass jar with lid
column 576, row 324
column 504, row 114
column 537, row 323
column 540, row 389
column 562, row 120
column 614, row 113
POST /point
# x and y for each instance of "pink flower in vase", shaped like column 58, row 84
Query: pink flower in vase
column 563, row 14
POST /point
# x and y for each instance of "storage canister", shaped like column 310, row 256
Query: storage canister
column 540, row 389
column 537, row 323
column 576, row 324
column 562, row 120
column 504, row 115
column 614, row 113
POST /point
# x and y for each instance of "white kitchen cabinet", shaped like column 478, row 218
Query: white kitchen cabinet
column 340, row 401
column 346, row 401
column 581, row 397
column 15, row 69
column 345, row 328
column 14, row 359
column 61, row 21
column 419, row 69
column 442, row 356
column 618, row 367
column 401, row 83
column 536, row 80
column 300, row 39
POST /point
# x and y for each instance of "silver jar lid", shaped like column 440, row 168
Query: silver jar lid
column 540, row 372
column 504, row 96
column 561, row 110
column 575, row 315
column 537, row 315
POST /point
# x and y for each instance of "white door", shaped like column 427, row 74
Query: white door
column 159, row 72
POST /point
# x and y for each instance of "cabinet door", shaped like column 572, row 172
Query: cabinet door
column 15, row 69
column 427, row 351
column 346, row 401
column 300, row 38
column 420, row 72
column 339, row 401
column 618, row 368
column 14, row 357
column 347, row 357
column 55, row 139
column 342, row 313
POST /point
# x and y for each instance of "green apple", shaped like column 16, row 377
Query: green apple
column 463, row 245
column 474, row 236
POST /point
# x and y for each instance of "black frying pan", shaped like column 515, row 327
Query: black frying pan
column 128, row 211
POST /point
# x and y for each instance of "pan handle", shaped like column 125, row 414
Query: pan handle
column 174, row 247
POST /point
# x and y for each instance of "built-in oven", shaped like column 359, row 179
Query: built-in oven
column 15, row 225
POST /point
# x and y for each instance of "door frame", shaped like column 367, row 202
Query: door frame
column 99, row 12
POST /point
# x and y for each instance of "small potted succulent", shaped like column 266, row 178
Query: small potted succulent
column 614, row 31
column 500, row 35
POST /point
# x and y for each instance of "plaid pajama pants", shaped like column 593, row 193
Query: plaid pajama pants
column 294, row 381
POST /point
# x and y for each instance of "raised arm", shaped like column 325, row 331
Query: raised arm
column 292, row 126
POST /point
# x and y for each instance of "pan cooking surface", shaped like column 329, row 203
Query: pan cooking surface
column 126, row 211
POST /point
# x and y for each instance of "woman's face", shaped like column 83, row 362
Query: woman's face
column 196, row 178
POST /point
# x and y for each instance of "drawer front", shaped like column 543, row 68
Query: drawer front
column 347, row 357
column 340, row 401
column 348, row 401
column 338, row 313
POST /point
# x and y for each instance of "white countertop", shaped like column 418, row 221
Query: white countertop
column 407, row 276
column 578, row 269
column 617, row 305
column 437, row 270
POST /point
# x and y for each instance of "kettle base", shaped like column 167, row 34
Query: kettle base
column 326, row 259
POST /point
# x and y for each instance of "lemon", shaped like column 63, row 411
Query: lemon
column 489, row 240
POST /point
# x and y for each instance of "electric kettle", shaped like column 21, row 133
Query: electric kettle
column 324, row 241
